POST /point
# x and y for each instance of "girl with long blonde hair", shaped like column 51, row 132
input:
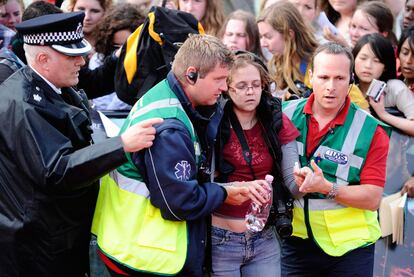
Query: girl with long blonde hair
column 284, row 33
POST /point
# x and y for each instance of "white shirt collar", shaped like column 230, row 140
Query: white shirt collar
column 57, row 90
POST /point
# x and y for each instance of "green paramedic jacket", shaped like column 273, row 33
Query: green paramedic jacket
column 129, row 228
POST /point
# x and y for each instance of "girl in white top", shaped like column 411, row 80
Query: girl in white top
column 372, row 17
column 374, row 60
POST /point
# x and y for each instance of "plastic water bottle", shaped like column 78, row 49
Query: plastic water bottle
column 256, row 216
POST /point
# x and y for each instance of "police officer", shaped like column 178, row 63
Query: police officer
column 49, row 167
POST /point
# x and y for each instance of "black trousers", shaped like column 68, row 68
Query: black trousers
column 303, row 257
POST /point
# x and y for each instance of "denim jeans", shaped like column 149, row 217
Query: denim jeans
column 245, row 254
column 97, row 267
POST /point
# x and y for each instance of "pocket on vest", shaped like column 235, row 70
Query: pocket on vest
column 157, row 232
column 345, row 225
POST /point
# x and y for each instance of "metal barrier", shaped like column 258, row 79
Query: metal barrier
column 390, row 259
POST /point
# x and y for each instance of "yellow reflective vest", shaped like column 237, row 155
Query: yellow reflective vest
column 129, row 229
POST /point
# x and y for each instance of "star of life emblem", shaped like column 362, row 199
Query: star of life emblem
column 182, row 170
column 37, row 97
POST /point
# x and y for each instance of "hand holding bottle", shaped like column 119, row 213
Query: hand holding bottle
column 256, row 216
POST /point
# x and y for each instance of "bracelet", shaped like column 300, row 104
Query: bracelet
column 333, row 192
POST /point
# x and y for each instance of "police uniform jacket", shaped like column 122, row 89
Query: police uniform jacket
column 48, row 177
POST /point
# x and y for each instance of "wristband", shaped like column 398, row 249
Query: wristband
column 333, row 192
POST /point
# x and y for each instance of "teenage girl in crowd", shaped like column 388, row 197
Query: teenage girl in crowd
column 373, row 61
column 240, row 32
column 340, row 14
column 406, row 56
column 110, row 34
column 408, row 18
column 310, row 11
column 94, row 10
column 13, row 13
column 284, row 33
column 208, row 12
column 307, row 8
column 268, row 133
column 372, row 17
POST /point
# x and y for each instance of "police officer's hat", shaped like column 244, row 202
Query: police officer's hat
column 62, row 31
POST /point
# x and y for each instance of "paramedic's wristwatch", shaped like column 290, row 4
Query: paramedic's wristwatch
column 333, row 192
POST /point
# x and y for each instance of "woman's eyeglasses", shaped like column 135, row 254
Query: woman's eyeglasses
column 244, row 87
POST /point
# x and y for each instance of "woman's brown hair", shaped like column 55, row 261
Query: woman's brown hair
column 299, row 43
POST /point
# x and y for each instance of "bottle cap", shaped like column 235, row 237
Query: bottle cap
column 269, row 178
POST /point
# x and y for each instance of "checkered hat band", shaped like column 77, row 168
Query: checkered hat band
column 53, row 37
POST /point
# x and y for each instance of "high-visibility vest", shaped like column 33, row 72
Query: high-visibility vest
column 129, row 229
column 337, row 229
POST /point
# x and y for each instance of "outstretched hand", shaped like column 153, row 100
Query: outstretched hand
column 338, row 38
column 311, row 180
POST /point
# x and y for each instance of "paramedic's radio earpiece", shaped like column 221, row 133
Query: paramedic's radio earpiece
column 192, row 76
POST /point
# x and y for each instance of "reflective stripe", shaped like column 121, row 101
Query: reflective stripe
column 289, row 110
column 299, row 203
column 355, row 130
column 341, row 182
column 301, row 149
column 164, row 103
column 350, row 143
column 128, row 184
column 319, row 204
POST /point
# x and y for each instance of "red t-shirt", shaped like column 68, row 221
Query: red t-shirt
column 262, row 162
column 373, row 171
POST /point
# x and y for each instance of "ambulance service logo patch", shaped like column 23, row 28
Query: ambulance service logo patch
column 336, row 156
column 182, row 170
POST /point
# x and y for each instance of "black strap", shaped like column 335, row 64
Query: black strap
column 247, row 155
